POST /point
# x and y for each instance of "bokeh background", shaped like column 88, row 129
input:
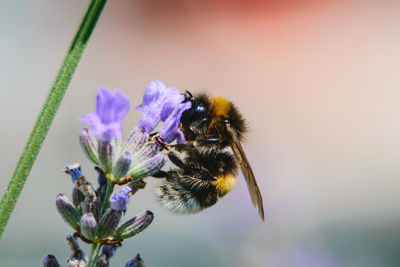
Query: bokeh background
column 318, row 82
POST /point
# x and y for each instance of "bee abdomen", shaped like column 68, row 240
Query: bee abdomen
column 184, row 194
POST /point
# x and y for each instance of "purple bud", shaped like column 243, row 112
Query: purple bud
column 86, row 188
column 135, row 225
column 148, row 166
column 108, row 250
column 102, row 261
column 77, row 197
column 136, row 262
column 74, row 170
column 50, row 261
column 88, row 226
column 106, row 156
column 78, row 256
column 119, row 201
column 67, row 211
column 109, row 223
column 89, row 145
column 136, row 139
column 92, row 205
column 101, row 179
column 122, row 166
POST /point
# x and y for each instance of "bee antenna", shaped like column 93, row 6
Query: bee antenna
column 188, row 95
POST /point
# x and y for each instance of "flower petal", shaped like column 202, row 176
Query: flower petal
column 106, row 121
column 119, row 201
column 158, row 104
column 121, row 106
column 172, row 98
column 104, row 105
column 170, row 129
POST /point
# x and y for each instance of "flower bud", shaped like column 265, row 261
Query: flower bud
column 106, row 152
column 122, row 166
column 137, row 184
column 88, row 226
column 92, row 205
column 147, row 151
column 136, row 139
column 119, row 201
column 102, row 261
column 78, row 256
column 102, row 181
column 77, row 198
column 135, row 225
column 50, row 261
column 86, row 188
column 109, row 223
column 148, row 167
column 74, row 170
column 67, row 211
column 136, row 262
column 89, row 145
column 107, row 252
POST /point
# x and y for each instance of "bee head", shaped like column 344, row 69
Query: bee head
column 208, row 117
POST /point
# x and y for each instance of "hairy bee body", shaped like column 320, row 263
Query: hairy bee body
column 206, row 168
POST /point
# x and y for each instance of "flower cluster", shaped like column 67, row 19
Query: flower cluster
column 95, row 213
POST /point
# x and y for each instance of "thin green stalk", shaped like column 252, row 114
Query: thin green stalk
column 93, row 255
column 106, row 200
column 49, row 109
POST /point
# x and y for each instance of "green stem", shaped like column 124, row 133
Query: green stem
column 49, row 109
column 106, row 200
column 93, row 255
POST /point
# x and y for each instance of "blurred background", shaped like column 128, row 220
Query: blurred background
column 318, row 82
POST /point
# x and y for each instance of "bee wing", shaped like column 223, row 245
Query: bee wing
column 247, row 172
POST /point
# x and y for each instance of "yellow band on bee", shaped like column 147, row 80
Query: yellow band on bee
column 224, row 184
column 220, row 106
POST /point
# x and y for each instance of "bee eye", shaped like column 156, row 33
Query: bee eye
column 199, row 109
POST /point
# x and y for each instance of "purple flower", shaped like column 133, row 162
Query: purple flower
column 119, row 201
column 170, row 129
column 50, row 261
column 74, row 170
column 106, row 121
column 161, row 103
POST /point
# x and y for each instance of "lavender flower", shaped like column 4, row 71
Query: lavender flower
column 122, row 165
column 170, row 129
column 88, row 226
column 68, row 211
column 93, row 214
column 136, row 262
column 106, row 253
column 74, row 170
column 119, row 201
column 50, row 261
column 112, row 216
column 135, row 225
column 161, row 103
column 89, row 145
column 106, row 121
column 78, row 257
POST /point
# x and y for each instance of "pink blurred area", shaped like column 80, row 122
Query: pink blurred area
column 317, row 82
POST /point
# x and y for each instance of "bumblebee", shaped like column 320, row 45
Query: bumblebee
column 206, row 169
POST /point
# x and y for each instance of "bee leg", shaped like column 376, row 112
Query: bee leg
column 160, row 174
column 209, row 141
column 177, row 161
column 183, row 147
